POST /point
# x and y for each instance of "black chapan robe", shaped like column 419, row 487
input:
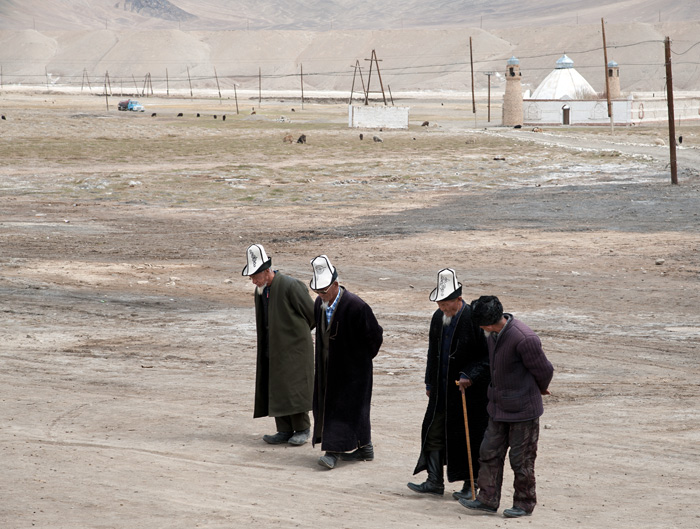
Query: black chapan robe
column 468, row 355
column 284, row 381
column 343, row 383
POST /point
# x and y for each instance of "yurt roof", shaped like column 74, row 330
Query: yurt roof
column 564, row 82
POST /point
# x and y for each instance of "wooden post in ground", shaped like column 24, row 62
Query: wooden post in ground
column 607, row 80
column 671, row 117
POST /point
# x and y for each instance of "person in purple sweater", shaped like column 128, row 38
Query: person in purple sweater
column 520, row 375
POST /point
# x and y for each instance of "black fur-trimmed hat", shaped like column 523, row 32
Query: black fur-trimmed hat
column 487, row 310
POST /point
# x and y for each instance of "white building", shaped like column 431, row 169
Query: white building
column 564, row 97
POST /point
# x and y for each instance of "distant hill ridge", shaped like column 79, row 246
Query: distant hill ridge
column 156, row 8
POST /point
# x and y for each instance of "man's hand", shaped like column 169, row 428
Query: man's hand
column 463, row 384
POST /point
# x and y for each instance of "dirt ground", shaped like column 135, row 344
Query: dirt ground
column 127, row 341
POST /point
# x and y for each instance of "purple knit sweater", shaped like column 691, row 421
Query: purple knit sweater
column 520, row 372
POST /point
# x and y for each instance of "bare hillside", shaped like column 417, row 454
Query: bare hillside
column 325, row 15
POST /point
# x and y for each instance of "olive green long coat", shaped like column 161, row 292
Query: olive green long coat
column 284, row 382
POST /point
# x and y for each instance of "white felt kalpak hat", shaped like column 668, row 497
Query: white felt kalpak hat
column 324, row 273
column 257, row 260
column 447, row 286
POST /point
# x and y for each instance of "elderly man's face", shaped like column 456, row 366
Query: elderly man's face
column 450, row 307
column 329, row 294
column 262, row 279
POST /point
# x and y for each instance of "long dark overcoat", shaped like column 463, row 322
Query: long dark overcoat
column 468, row 355
column 342, row 397
column 284, row 382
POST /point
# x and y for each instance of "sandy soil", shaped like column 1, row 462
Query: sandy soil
column 127, row 344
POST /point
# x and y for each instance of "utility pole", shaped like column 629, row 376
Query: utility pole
column 607, row 80
column 217, row 84
column 489, row 74
column 259, row 86
column 671, row 116
column 471, row 62
column 189, row 80
column 302, row 86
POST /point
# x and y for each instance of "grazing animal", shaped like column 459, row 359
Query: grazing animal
column 223, row 118
column 253, row 111
column 425, row 124
column 288, row 139
column 537, row 129
column 302, row 139
column 214, row 116
column 377, row 139
column 680, row 139
column 153, row 115
column 292, row 110
column 518, row 127
column 3, row 117
column 361, row 136
column 197, row 114
column 180, row 115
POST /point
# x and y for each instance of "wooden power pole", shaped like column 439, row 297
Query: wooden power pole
column 607, row 80
column 671, row 116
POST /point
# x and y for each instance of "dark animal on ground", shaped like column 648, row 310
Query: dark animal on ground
column 288, row 139
column 377, row 139
column 180, row 115
column 425, row 124
column 302, row 139
column 153, row 115
column 361, row 136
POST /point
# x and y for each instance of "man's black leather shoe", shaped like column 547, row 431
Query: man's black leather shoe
column 365, row 453
column 278, row 438
column 476, row 505
column 427, row 487
column 515, row 512
column 328, row 460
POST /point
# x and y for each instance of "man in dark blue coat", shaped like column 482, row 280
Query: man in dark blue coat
column 457, row 362
column 348, row 337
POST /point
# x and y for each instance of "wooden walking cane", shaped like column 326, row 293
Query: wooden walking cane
column 469, row 447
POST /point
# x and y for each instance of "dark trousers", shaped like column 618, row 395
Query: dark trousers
column 293, row 423
column 521, row 438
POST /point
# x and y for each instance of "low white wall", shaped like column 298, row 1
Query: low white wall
column 377, row 117
column 595, row 112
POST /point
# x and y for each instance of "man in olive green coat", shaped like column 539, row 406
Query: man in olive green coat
column 284, row 380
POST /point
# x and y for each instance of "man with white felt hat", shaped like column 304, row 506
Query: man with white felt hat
column 457, row 364
column 348, row 337
column 284, row 317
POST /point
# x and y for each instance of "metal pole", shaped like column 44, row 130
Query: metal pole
column 607, row 80
column 671, row 116
column 235, row 95
column 259, row 86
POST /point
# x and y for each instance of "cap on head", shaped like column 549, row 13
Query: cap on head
column 257, row 260
column 487, row 310
column 447, row 286
column 324, row 273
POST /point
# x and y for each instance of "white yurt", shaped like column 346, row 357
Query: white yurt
column 564, row 82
